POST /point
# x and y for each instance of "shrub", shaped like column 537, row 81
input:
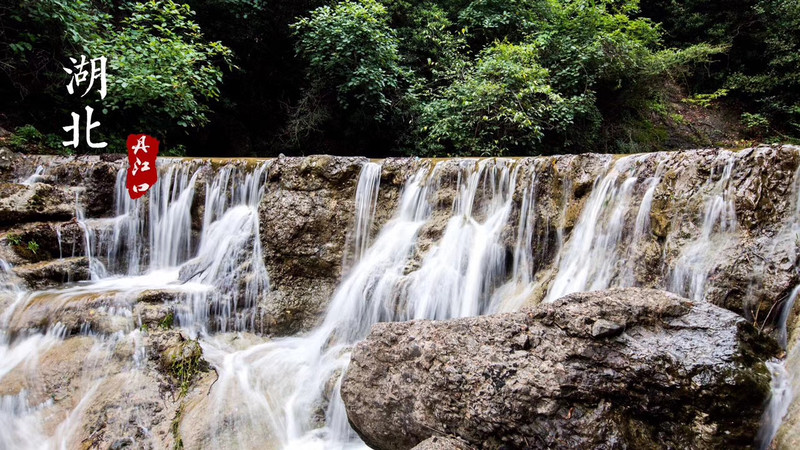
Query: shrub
column 160, row 67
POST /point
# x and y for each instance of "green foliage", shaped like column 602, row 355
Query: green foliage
column 579, row 66
column 755, row 123
column 41, row 25
column 14, row 239
column 772, row 82
column 352, row 51
column 504, row 103
column 176, row 151
column 175, row 428
column 167, row 321
column 706, row 100
column 24, row 137
column 384, row 76
column 432, row 46
column 163, row 75
column 33, row 246
column 161, row 67
column 186, row 364
column 759, row 71
column 486, row 21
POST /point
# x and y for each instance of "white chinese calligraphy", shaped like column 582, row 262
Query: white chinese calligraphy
column 97, row 71
column 141, row 187
column 140, row 146
column 140, row 166
column 75, row 128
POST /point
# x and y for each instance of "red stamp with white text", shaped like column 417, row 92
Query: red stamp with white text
column 142, row 171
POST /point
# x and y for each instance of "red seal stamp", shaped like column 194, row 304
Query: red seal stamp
column 142, row 171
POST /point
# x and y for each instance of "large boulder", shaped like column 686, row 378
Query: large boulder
column 628, row 368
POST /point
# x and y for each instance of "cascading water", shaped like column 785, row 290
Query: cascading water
column 366, row 203
column 466, row 238
column 592, row 258
column 719, row 220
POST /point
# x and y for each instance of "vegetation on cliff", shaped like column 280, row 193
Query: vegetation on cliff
column 382, row 77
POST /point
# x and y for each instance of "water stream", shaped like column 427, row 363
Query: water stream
column 466, row 238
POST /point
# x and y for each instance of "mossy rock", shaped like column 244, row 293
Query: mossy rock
column 180, row 359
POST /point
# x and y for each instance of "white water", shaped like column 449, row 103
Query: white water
column 438, row 257
column 36, row 176
column 691, row 272
column 366, row 203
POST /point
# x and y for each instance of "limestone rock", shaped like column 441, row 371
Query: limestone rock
column 442, row 443
column 53, row 273
column 304, row 218
column 682, row 375
column 35, row 203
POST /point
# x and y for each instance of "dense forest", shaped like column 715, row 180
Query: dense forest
column 405, row 77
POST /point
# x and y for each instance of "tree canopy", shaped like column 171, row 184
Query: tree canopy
column 408, row 77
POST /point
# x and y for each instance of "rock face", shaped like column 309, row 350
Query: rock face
column 36, row 202
column 53, row 273
column 441, row 443
column 545, row 377
column 304, row 217
column 119, row 403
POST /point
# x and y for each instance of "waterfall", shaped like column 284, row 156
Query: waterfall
column 35, row 176
column 366, row 203
column 592, row 255
column 691, row 272
column 466, row 237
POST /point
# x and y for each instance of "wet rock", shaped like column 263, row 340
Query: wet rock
column 681, row 375
column 152, row 316
column 7, row 162
column 156, row 309
column 158, row 296
column 96, row 179
column 304, row 218
column 55, row 375
column 605, row 328
column 442, row 443
column 180, row 359
column 111, row 399
column 119, row 444
column 287, row 311
column 36, row 203
column 198, row 425
column 53, row 273
column 53, row 240
column 101, row 189
column 788, row 435
column 763, row 184
column 127, row 406
column 113, row 157
column 104, row 313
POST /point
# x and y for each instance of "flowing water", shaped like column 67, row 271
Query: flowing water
column 468, row 237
